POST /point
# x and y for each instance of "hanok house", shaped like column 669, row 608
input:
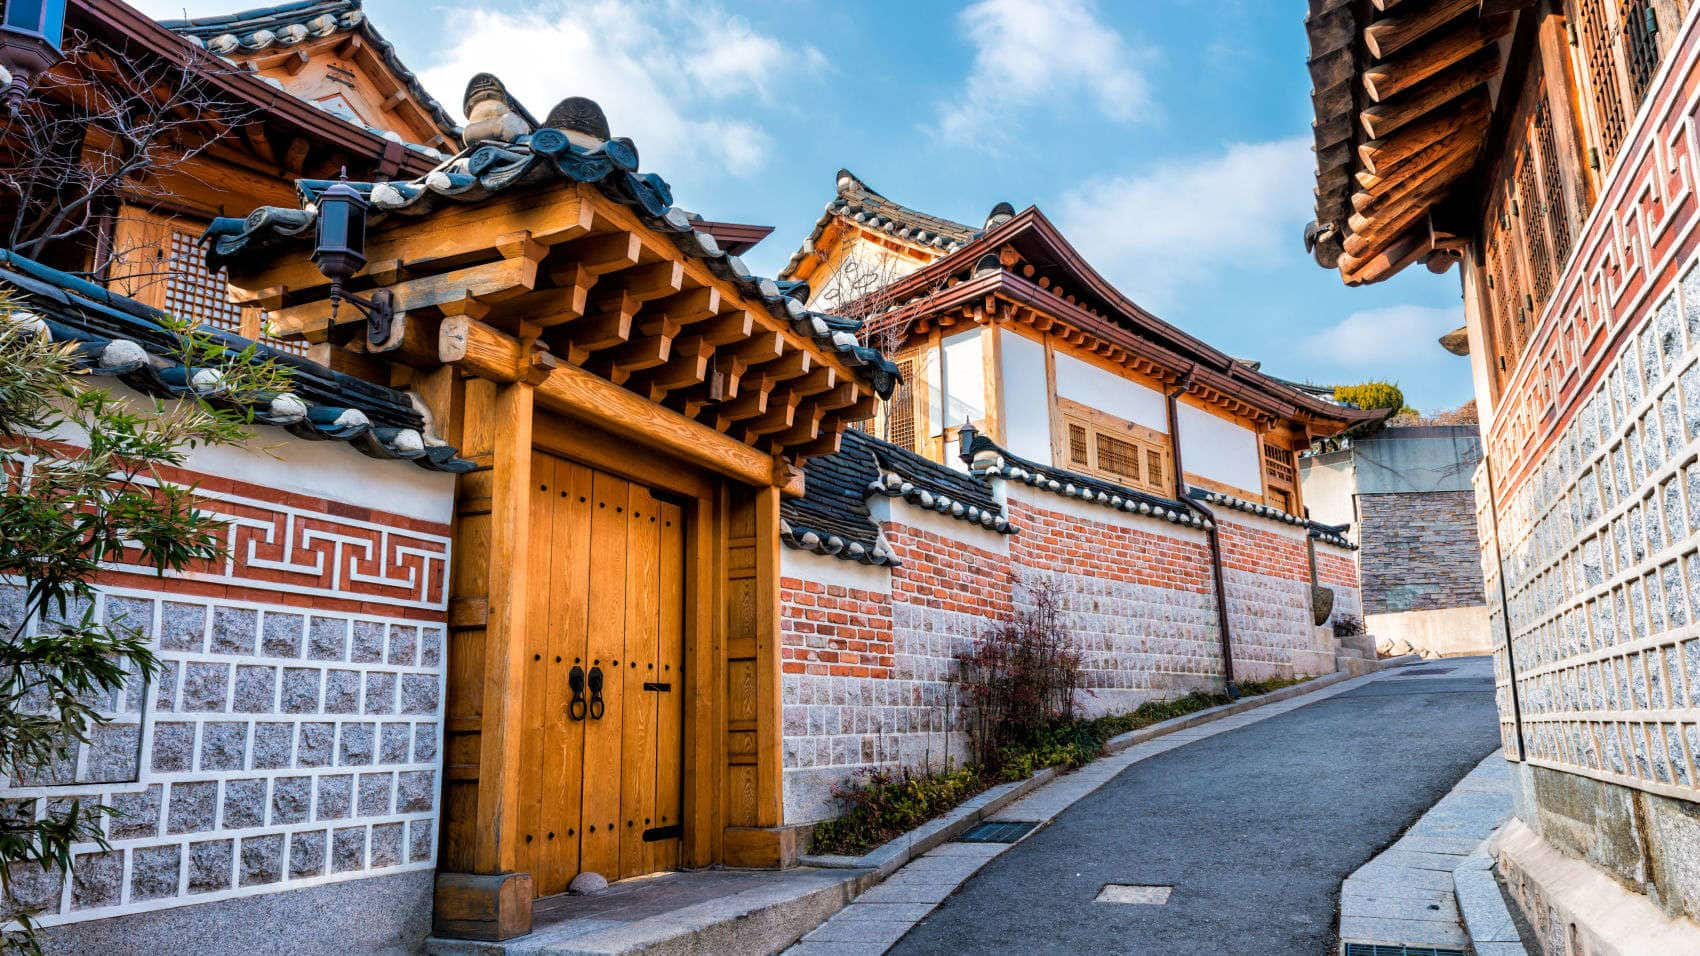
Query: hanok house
column 1548, row 148
column 1145, row 477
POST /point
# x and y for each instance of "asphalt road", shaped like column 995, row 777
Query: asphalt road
column 1254, row 828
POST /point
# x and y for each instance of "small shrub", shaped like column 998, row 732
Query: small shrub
column 1019, row 681
column 880, row 804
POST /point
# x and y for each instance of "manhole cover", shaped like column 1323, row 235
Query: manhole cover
column 998, row 832
column 1427, row 670
column 1133, row 894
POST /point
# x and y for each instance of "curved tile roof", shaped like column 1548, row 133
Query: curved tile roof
column 862, row 205
column 490, row 167
column 287, row 24
column 832, row 517
column 989, row 458
column 122, row 338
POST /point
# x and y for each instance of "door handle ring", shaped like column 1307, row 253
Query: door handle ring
column 576, row 708
column 596, row 705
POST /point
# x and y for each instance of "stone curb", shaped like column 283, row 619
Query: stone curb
column 1481, row 907
column 889, row 857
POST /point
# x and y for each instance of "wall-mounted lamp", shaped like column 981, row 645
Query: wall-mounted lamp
column 341, row 252
column 32, row 36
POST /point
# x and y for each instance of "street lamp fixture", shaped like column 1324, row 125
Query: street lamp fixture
column 32, row 36
column 340, row 252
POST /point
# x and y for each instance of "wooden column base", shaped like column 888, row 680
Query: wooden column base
column 472, row 906
column 761, row 847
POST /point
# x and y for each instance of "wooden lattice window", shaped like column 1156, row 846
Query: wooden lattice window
column 1280, row 477
column 1118, row 451
column 192, row 291
column 1595, row 38
column 1552, row 184
column 900, row 410
column 1531, row 216
column 1640, row 25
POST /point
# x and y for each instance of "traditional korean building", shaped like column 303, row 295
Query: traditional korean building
column 1547, row 149
column 1047, row 432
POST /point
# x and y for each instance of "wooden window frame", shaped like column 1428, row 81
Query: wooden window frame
column 1274, row 483
column 1095, row 423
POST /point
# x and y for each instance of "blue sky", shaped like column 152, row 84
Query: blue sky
column 1170, row 139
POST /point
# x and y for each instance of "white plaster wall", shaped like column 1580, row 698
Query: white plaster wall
column 826, row 569
column 1449, row 632
column 1219, row 450
column 964, row 379
column 1026, row 411
column 1108, row 392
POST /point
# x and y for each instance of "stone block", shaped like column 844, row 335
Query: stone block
column 342, row 692
column 327, row 639
column 36, row 889
column 154, row 871
column 404, row 645
column 209, row 865
column 368, row 643
column 301, row 690
column 335, row 797
column 386, row 845
column 380, row 693
column 430, row 646
column 317, row 746
column 262, row 860
column 206, row 687
column 273, row 742
column 135, row 814
column 114, row 754
column 416, row 791
column 393, row 741
column 97, row 879
column 356, row 745
column 281, row 634
column 420, row 837
column 306, row 854
column 376, row 790
column 292, row 799
column 132, row 617
column 165, row 686
column 234, row 631
column 348, row 849
column 424, row 743
column 256, row 689
column 194, row 807
column 244, row 804
column 173, row 747
column 419, row 694
column 182, row 627
column 224, row 745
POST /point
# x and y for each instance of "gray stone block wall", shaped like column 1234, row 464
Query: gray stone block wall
column 1419, row 551
column 278, row 748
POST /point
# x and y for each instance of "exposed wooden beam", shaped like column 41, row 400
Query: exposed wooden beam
column 687, row 365
column 605, row 253
column 1389, row 35
column 1449, row 46
column 490, row 282
column 1382, row 119
column 1467, row 119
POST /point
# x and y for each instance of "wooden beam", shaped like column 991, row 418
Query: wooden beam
column 490, row 282
column 1395, row 256
column 605, row 253
column 687, row 307
column 1452, row 45
column 1422, row 185
column 750, row 403
column 735, row 326
column 1380, row 120
column 649, row 282
column 1468, row 117
column 1418, row 166
column 1389, row 35
column 781, row 414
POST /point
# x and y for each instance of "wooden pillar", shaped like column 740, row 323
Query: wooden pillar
column 478, row 893
column 755, row 834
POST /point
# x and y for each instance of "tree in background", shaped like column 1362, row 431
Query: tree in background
column 82, row 483
column 1369, row 395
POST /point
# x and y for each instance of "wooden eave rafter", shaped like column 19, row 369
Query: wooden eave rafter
column 398, row 100
column 279, row 110
column 571, row 286
column 1403, row 104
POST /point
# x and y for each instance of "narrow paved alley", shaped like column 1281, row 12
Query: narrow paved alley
column 1253, row 829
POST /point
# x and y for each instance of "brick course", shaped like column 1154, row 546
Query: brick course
column 1420, row 551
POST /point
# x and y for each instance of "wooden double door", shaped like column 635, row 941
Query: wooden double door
column 601, row 752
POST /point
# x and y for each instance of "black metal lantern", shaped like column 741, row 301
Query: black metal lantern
column 32, row 35
column 340, row 252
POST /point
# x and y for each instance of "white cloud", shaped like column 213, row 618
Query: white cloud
column 1028, row 52
column 1181, row 222
column 658, row 69
column 1376, row 341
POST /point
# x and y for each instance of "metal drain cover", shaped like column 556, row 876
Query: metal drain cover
column 1133, row 894
column 998, row 832
column 1426, row 670
column 1395, row 949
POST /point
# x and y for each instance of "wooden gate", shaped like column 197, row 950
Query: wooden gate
column 601, row 751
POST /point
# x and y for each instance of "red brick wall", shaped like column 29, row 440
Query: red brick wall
column 1055, row 541
column 1336, row 570
column 833, row 629
column 945, row 574
column 1262, row 551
